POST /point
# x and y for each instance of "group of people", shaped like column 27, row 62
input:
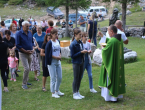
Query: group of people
column 31, row 48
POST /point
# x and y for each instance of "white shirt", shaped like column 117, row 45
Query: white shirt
column 123, row 36
column 33, row 23
column 55, row 48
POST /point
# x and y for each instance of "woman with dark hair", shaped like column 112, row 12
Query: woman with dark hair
column 50, row 25
column 2, row 29
column 42, row 53
column 3, row 62
column 10, row 41
column 77, row 55
column 52, row 61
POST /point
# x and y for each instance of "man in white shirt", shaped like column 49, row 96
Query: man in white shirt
column 118, row 24
column 34, row 23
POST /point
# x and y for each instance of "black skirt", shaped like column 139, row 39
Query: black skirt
column 45, row 69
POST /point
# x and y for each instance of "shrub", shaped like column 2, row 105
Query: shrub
column 40, row 2
column 15, row 2
column 2, row 2
column 135, row 8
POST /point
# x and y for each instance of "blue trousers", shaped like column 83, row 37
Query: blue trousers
column 88, row 67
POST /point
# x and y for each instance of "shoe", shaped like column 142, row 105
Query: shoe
column 55, row 95
column 59, row 93
column 81, row 95
column 24, row 87
column 76, row 96
column 93, row 90
column 18, row 71
column 29, row 84
column 16, row 74
column 14, row 80
column 11, row 79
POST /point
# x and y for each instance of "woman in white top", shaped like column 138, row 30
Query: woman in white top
column 53, row 57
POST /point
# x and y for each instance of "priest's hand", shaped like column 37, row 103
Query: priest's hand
column 84, row 51
column 89, row 51
column 100, row 34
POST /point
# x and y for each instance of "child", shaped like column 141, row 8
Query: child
column 87, row 62
column 13, row 64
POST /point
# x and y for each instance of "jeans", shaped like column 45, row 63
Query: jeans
column 13, row 75
column 78, row 72
column 26, row 62
column 88, row 67
column 94, row 36
column 55, row 72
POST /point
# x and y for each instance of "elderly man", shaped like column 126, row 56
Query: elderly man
column 44, row 25
column 70, row 24
column 112, row 78
column 118, row 24
column 24, row 42
column 82, row 24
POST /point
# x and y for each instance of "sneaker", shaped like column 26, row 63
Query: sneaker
column 14, row 80
column 55, row 95
column 81, row 95
column 24, row 87
column 11, row 79
column 93, row 90
column 76, row 96
column 59, row 93
column 29, row 84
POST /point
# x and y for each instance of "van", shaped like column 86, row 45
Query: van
column 96, row 9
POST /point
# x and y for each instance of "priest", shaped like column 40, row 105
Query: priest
column 112, row 78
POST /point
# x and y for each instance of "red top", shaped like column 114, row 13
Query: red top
column 15, row 23
column 49, row 30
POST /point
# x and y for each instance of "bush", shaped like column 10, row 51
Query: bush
column 40, row 2
column 135, row 8
column 2, row 2
column 15, row 2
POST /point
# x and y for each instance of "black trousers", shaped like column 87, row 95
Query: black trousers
column 144, row 32
column 3, row 70
column 17, row 55
column 78, row 72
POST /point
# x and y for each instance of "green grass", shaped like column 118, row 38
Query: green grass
column 134, row 19
column 35, row 99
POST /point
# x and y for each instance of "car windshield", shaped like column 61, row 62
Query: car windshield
column 103, row 9
column 57, row 10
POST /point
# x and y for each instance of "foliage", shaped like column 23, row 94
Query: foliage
column 15, row 2
column 40, row 2
column 135, row 8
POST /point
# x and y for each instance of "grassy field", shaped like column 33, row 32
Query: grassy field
column 35, row 99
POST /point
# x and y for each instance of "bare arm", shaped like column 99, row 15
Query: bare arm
column 42, row 52
column 126, row 42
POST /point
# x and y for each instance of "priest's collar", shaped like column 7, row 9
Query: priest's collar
column 117, row 36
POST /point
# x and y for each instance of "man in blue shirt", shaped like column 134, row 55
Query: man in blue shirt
column 24, row 42
column 70, row 24
column 82, row 24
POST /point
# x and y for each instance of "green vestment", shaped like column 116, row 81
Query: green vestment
column 113, row 67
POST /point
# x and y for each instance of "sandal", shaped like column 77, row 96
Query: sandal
column 43, row 89
column 36, row 79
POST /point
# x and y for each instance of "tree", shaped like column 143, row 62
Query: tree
column 68, row 3
column 124, row 7
column 82, row 4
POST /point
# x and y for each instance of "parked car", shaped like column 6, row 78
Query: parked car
column 55, row 12
column 8, row 22
column 73, row 17
column 96, row 9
